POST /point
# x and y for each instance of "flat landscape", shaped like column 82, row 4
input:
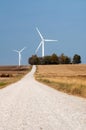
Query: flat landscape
column 11, row 74
column 30, row 105
column 67, row 78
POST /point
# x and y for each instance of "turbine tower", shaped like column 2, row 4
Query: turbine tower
column 19, row 54
column 43, row 42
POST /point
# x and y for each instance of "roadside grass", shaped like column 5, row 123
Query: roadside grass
column 70, row 79
column 2, row 84
column 9, row 76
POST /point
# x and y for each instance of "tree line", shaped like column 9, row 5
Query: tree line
column 54, row 59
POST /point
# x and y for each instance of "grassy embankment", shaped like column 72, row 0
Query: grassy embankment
column 70, row 79
column 11, row 74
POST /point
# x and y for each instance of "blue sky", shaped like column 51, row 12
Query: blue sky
column 64, row 20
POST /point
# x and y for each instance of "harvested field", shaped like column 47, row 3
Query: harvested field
column 10, row 74
column 67, row 78
column 29, row 105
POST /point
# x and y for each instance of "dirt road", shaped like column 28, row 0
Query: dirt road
column 29, row 105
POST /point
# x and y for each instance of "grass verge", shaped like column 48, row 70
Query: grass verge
column 16, row 75
column 75, row 84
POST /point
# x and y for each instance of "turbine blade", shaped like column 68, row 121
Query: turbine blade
column 47, row 40
column 16, row 51
column 23, row 49
column 39, row 33
column 38, row 46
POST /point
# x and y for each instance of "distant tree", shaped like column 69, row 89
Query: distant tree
column 41, row 62
column 34, row 60
column 46, row 60
column 76, row 59
column 54, row 59
column 67, row 60
column 64, row 59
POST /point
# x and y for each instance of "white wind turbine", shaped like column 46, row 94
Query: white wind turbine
column 19, row 54
column 43, row 42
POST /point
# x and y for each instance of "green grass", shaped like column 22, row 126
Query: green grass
column 2, row 83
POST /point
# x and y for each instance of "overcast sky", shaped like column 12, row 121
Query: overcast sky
column 64, row 20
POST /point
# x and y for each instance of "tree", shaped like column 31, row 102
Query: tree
column 67, row 60
column 34, row 60
column 64, row 59
column 46, row 60
column 76, row 59
column 54, row 59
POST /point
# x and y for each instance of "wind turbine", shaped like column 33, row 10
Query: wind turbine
column 43, row 42
column 19, row 54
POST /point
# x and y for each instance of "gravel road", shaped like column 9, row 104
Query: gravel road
column 29, row 105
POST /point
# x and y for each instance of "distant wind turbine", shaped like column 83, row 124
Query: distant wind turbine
column 43, row 42
column 19, row 54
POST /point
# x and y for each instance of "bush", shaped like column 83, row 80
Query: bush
column 5, row 75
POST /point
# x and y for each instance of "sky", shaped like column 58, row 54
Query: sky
column 62, row 20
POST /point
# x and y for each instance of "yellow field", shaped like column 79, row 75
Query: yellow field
column 66, row 78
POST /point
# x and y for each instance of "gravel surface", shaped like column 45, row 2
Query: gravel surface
column 29, row 105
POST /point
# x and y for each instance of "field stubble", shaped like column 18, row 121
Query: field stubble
column 67, row 78
column 11, row 74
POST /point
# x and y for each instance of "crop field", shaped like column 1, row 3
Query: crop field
column 10, row 74
column 66, row 78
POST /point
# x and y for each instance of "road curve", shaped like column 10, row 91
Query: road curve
column 29, row 105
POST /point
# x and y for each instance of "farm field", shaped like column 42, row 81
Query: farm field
column 11, row 74
column 70, row 79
